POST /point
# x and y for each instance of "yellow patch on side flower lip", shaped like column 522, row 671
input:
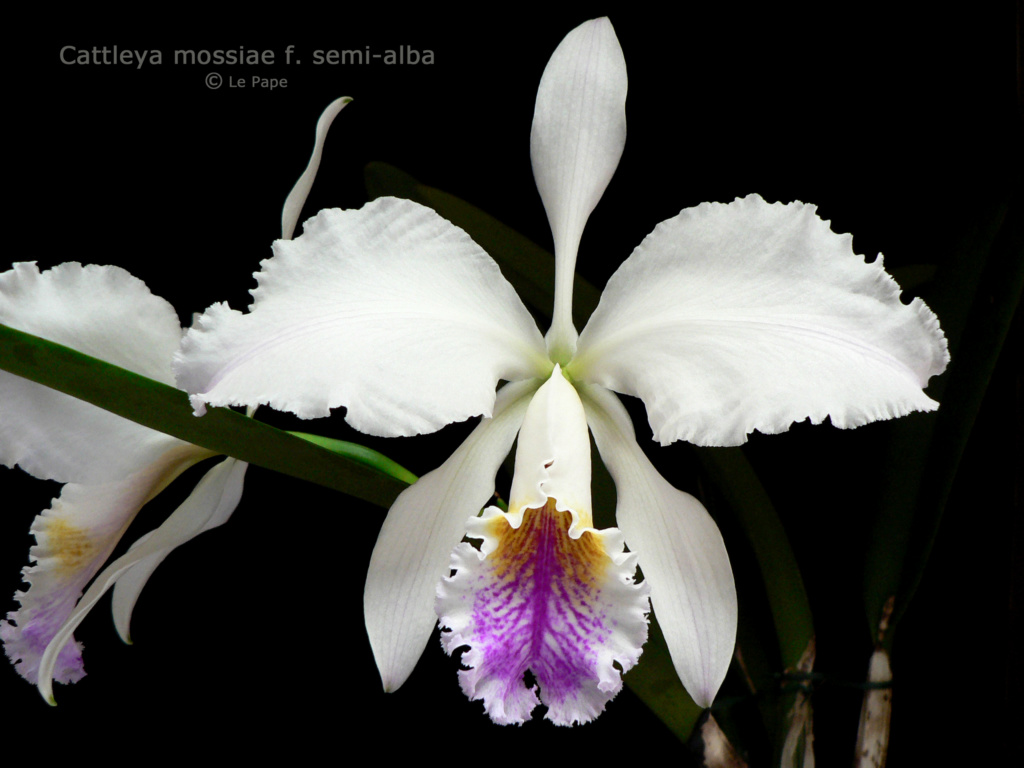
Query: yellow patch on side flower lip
column 72, row 546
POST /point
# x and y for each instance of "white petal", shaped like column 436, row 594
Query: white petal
column 390, row 311
column 731, row 318
column 579, row 131
column 211, row 503
column 680, row 550
column 75, row 536
column 422, row 527
column 103, row 312
column 553, row 455
column 297, row 197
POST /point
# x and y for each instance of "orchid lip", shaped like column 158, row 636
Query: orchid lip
column 537, row 597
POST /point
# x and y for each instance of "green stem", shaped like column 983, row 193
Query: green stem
column 166, row 409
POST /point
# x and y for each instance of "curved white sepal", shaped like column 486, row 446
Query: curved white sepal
column 103, row 312
column 297, row 197
column 539, row 597
column 680, row 550
column 579, row 131
column 423, row 525
column 751, row 316
column 553, row 455
column 388, row 310
column 211, row 503
column 74, row 537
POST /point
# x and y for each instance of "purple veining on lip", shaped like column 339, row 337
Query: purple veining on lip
column 544, row 602
column 26, row 642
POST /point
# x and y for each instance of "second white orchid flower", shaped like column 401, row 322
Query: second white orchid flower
column 725, row 320
column 111, row 466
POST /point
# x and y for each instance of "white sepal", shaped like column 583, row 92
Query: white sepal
column 210, row 505
column 297, row 197
column 680, row 551
column 423, row 525
column 579, row 131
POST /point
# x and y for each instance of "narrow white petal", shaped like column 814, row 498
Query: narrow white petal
column 681, row 552
column 74, row 537
column 103, row 312
column 389, row 310
column 297, row 197
column 212, row 502
column 579, row 131
column 731, row 318
column 422, row 527
column 210, row 505
column 553, row 455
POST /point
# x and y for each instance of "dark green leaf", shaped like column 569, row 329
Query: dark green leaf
column 739, row 485
column 975, row 298
column 655, row 681
column 167, row 409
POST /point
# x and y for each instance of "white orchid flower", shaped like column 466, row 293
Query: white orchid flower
column 726, row 319
column 111, row 466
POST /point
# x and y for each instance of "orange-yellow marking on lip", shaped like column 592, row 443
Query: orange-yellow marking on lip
column 541, row 601
column 581, row 561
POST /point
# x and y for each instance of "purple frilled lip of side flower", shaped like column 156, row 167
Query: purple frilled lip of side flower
column 25, row 638
column 725, row 320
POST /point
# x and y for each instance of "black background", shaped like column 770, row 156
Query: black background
column 899, row 126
